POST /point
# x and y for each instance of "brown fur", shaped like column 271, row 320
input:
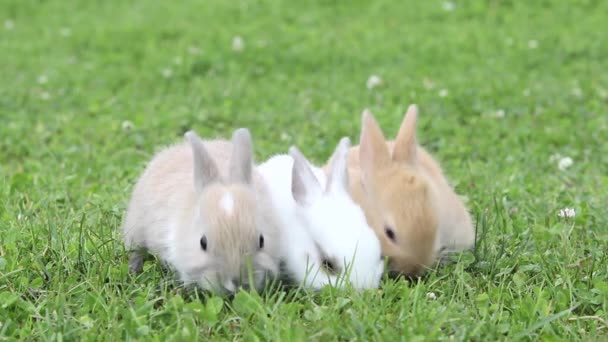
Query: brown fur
column 399, row 185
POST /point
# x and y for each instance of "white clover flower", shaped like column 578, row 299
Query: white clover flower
column 238, row 44
column 448, row 6
column 373, row 81
column 193, row 50
column 45, row 95
column 555, row 157
column 9, row 24
column 65, row 31
column 428, row 83
column 177, row 60
column 42, row 79
column 566, row 213
column 532, row 44
column 500, row 113
column 443, row 93
column 431, row 295
column 564, row 163
column 285, row 136
column 577, row 92
column 167, row 73
column 127, row 126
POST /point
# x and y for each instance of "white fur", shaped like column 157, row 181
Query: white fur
column 323, row 221
column 227, row 203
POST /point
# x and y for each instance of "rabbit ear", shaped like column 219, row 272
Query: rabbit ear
column 373, row 152
column 242, row 157
column 205, row 169
column 338, row 176
column 405, row 143
column 305, row 187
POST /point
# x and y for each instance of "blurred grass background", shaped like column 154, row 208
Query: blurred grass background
column 506, row 89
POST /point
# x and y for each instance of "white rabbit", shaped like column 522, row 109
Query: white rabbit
column 202, row 208
column 325, row 238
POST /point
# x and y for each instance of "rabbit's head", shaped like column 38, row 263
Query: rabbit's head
column 231, row 240
column 399, row 200
column 347, row 249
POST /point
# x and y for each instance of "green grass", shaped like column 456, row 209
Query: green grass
column 74, row 71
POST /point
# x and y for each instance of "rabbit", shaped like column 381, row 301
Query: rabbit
column 325, row 237
column 407, row 198
column 204, row 210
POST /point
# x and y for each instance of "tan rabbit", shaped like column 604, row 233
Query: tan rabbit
column 406, row 197
column 202, row 208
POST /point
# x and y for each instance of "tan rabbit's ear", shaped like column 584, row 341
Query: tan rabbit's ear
column 241, row 161
column 373, row 152
column 338, row 175
column 305, row 187
column 205, row 169
column 405, row 143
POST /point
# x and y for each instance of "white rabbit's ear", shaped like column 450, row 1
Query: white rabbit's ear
column 405, row 143
column 305, row 187
column 338, row 176
column 241, row 162
column 205, row 169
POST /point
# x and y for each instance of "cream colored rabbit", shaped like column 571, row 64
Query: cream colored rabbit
column 202, row 208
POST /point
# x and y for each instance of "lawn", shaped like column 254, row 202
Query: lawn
column 513, row 99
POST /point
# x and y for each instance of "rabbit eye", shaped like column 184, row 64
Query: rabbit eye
column 261, row 242
column 204, row 243
column 390, row 233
